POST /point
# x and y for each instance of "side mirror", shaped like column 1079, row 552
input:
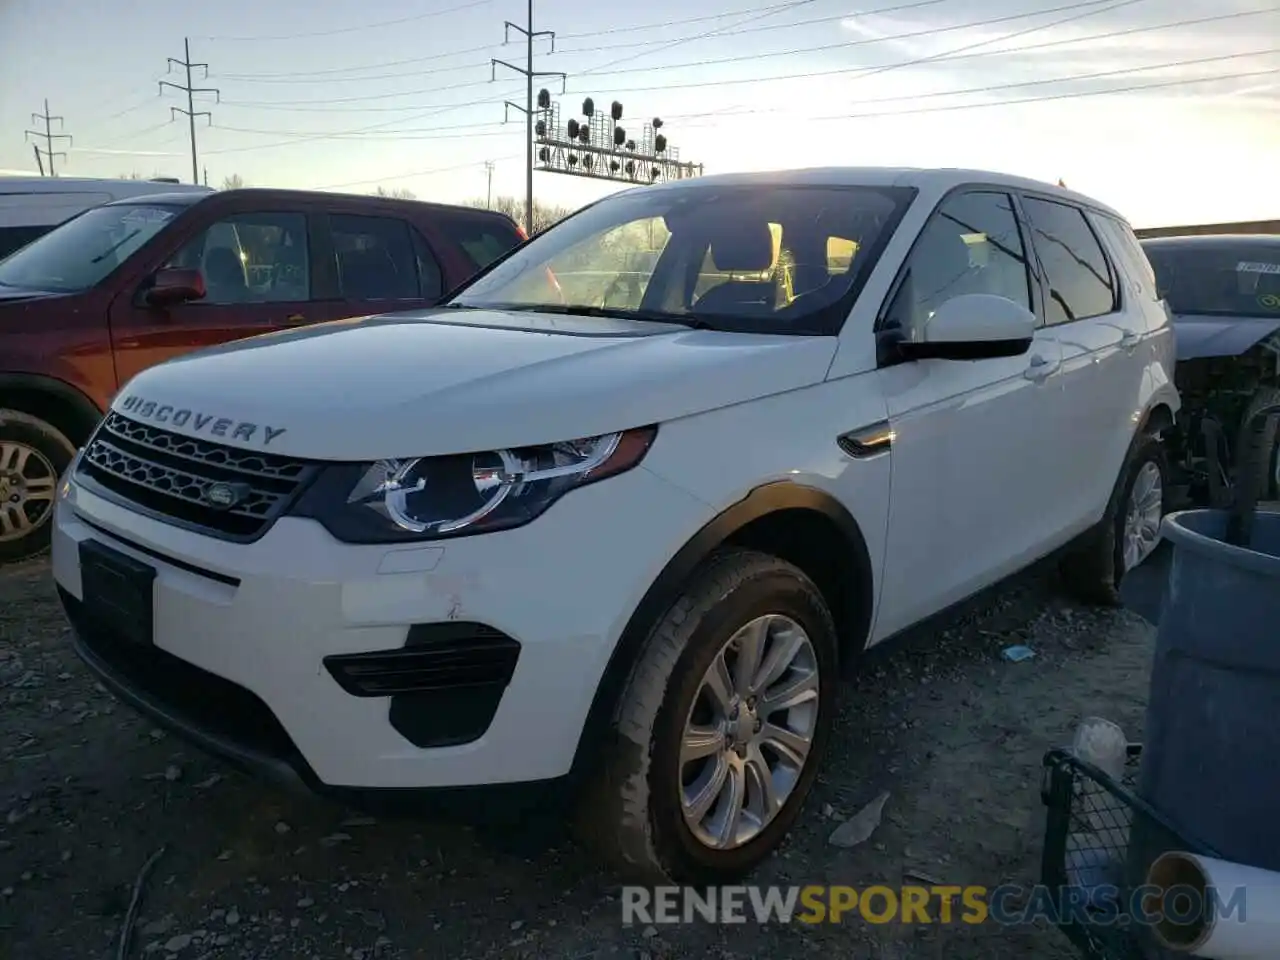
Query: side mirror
column 973, row 326
column 176, row 285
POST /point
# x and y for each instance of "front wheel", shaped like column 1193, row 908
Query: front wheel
column 722, row 726
column 33, row 455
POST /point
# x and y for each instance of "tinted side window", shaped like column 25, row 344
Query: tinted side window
column 14, row 238
column 251, row 258
column 482, row 238
column 430, row 279
column 375, row 257
column 1081, row 284
column 971, row 244
column 1126, row 242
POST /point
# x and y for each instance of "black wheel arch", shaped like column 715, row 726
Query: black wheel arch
column 52, row 400
column 1157, row 419
column 841, row 567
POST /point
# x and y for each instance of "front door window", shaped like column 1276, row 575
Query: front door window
column 251, row 258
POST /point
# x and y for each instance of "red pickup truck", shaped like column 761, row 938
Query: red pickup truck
column 134, row 282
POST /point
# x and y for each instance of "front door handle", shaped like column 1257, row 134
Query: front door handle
column 1129, row 340
column 1040, row 368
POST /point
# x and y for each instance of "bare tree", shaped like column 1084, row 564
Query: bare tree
column 544, row 216
column 233, row 182
column 395, row 193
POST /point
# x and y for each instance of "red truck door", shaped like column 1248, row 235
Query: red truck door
column 262, row 272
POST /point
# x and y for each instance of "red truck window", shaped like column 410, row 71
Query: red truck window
column 482, row 238
column 252, row 258
column 377, row 259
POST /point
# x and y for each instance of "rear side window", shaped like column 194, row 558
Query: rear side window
column 376, row 258
column 482, row 239
column 1125, row 245
column 15, row 238
column 1081, row 284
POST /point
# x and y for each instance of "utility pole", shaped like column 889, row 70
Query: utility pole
column 529, row 74
column 48, row 136
column 488, row 202
column 190, row 113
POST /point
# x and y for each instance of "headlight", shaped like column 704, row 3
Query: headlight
column 433, row 497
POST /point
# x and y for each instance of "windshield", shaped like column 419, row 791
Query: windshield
column 1236, row 281
column 79, row 253
column 766, row 259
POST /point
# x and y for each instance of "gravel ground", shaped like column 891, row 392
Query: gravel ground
column 955, row 734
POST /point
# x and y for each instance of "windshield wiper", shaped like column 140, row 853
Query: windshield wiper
column 612, row 313
column 115, row 246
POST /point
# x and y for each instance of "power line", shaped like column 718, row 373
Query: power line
column 190, row 90
column 289, row 75
column 1159, row 85
column 914, row 62
column 1044, row 98
column 443, row 131
column 946, row 57
column 345, row 30
column 601, row 71
column 327, row 76
column 48, row 136
column 415, row 173
column 951, row 54
column 962, row 53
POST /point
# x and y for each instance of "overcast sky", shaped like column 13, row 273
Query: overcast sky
column 340, row 94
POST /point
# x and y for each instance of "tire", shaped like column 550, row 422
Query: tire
column 1265, row 397
column 25, row 522
column 633, row 813
column 1094, row 568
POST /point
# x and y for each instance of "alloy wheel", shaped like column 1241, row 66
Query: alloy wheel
column 27, row 484
column 749, row 732
column 1143, row 515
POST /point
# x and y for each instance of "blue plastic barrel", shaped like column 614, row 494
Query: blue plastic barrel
column 1211, row 751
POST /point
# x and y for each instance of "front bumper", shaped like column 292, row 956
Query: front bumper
column 241, row 632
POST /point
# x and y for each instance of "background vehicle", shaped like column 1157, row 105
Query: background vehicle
column 32, row 206
column 130, row 283
column 1224, row 293
column 621, row 539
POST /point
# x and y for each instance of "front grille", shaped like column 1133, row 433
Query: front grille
column 168, row 475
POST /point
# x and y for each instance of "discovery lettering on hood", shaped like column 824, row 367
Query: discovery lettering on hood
column 211, row 424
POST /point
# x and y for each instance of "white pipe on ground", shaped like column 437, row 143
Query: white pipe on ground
column 1250, row 927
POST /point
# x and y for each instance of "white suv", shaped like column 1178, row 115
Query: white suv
column 613, row 519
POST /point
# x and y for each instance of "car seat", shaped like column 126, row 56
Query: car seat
column 224, row 274
column 740, row 247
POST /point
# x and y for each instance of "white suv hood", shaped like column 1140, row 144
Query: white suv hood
column 456, row 381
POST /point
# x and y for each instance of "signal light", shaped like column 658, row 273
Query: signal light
column 604, row 150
